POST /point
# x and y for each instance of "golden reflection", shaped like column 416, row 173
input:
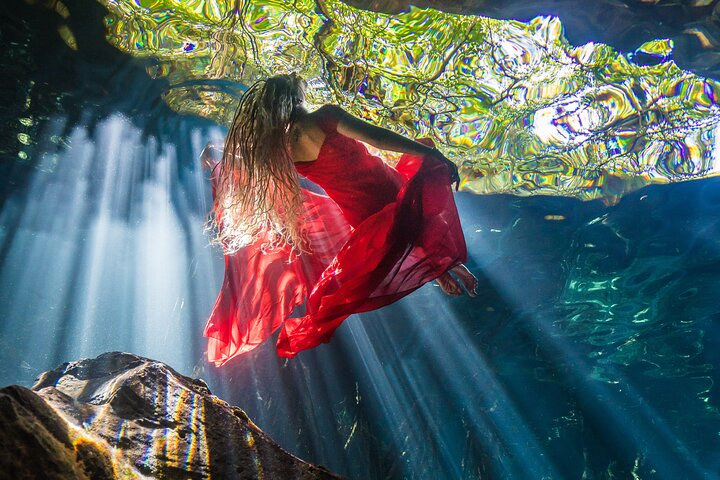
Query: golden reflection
column 512, row 103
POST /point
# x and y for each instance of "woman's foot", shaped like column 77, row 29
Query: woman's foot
column 469, row 281
column 449, row 285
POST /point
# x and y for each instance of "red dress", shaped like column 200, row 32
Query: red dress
column 379, row 234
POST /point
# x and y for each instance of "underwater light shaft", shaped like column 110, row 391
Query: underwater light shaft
column 518, row 108
column 103, row 255
column 625, row 419
column 494, row 419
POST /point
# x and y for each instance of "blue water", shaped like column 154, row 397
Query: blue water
column 591, row 352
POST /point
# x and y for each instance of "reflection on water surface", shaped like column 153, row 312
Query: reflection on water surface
column 518, row 107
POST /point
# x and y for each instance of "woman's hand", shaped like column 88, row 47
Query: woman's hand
column 454, row 174
column 210, row 156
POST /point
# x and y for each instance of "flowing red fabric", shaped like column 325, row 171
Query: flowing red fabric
column 379, row 234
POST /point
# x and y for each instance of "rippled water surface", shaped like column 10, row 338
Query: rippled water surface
column 593, row 349
column 518, row 107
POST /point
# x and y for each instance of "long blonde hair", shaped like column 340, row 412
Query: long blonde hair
column 257, row 194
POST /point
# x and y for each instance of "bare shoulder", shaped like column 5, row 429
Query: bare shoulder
column 331, row 109
column 313, row 119
column 327, row 112
column 307, row 135
column 347, row 124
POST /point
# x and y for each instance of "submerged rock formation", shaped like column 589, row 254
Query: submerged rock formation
column 124, row 416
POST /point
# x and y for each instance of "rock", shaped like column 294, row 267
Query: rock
column 124, row 416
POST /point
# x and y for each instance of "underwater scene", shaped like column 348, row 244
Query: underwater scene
column 587, row 137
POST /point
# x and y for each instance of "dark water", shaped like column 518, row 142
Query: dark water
column 592, row 351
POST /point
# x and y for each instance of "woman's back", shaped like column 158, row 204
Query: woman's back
column 359, row 182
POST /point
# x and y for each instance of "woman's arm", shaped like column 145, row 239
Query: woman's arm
column 384, row 139
column 378, row 137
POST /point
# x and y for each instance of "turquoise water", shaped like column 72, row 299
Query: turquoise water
column 592, row 351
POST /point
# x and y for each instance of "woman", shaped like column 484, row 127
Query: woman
column 379, row 234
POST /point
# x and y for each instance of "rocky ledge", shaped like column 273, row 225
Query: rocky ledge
column 124, row 416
